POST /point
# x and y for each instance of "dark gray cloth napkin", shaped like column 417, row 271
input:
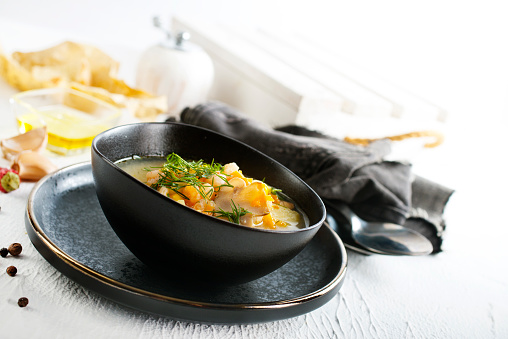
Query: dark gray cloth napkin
column 359, row 176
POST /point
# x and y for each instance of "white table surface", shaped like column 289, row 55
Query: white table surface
column 459, row 293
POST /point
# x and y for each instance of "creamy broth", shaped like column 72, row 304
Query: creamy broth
column 137, row 167
column 253, row 204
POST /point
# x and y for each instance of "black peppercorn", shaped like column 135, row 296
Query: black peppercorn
column 11, row 270
column 22, row 302
column 15, row 249
column 4, row 251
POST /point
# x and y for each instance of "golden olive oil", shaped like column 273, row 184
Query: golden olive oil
column 69, row 130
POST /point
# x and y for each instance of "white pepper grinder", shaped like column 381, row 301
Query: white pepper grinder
column 176, row 68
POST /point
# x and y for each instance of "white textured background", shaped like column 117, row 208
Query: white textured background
column 454, row 53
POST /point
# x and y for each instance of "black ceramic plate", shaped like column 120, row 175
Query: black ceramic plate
column 66, row 225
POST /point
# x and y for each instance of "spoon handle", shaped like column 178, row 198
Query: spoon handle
column 339, row 219
column 343, row 209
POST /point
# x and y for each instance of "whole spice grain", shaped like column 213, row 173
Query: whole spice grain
column 15, row 249
column 9, row 180
column 22, row 302
column 4, row 251
column 11, row 270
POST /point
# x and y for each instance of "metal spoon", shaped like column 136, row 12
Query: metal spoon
column 381, row 237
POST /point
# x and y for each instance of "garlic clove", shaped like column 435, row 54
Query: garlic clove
column 32, row 165
column 33, row 140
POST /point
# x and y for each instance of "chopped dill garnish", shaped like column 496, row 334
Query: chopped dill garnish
column 233, row 216
column 275, row 190
column 178, row 173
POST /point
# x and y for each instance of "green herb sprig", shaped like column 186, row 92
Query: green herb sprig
column 275, row 191
column 233, row 216
column 178, row 173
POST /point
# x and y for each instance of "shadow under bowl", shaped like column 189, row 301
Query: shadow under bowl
column 171, row 237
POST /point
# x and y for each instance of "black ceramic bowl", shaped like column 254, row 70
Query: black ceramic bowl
column 177, row 240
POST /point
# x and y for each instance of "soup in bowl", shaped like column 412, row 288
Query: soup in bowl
column 229, row 232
